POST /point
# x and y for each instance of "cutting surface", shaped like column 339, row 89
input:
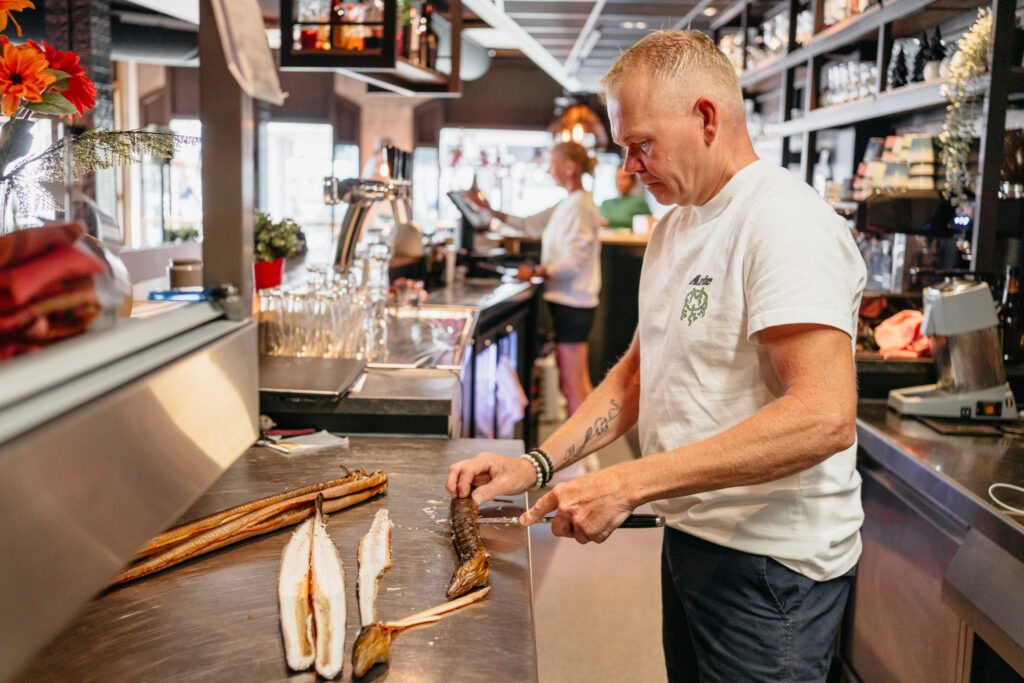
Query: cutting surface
column 215, row 618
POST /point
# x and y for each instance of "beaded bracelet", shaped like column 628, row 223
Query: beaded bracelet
column 546, row 460
column 538, row 468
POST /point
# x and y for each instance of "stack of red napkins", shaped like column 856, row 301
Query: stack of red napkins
column 47, row 290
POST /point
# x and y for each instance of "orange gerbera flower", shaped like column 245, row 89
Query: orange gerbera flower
column 8, row 6
column 22, row 75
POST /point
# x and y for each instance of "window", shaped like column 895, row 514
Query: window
column 172, row 191
column 298, row 156
column 510, row 167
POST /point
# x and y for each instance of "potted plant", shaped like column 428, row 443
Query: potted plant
column 273, row 242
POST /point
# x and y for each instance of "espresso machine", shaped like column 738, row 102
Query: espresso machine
column 960, row 321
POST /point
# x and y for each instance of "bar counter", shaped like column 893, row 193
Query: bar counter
column 954, row 472
column 935, row 544
column 414, row 400
column 216, row 617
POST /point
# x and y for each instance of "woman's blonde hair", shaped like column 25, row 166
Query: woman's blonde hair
column 683, row 64
column 574, row 151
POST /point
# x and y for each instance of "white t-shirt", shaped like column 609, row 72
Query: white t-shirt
column 570, row 249
column 765, row 251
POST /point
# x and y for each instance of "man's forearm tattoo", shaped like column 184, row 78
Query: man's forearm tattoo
column 600, row 426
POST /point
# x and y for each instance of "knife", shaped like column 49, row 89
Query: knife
column 640, row 521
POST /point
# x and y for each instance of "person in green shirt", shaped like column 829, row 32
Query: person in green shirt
column 619, row 212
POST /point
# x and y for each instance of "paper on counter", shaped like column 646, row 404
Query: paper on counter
column 307, row 443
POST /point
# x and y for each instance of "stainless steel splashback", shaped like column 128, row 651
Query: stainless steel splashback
column 132, row 444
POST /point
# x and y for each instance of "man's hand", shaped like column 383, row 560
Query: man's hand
column 524, row 273
column 588, row 508
column 489, row 475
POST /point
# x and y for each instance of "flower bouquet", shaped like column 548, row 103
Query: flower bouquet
column 38, row 80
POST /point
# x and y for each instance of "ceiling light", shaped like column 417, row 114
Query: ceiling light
column 627, row 24
column 641, row 24
column 710, row 12
column 581, row 124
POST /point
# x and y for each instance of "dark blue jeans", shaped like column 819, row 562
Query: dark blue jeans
column 732, row 616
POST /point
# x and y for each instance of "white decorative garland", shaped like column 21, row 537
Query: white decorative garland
column 970, row 61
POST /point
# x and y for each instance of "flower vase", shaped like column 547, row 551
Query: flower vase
column 7, row 223
column 267, row 274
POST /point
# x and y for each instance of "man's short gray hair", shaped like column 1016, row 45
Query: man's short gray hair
column 685, row 63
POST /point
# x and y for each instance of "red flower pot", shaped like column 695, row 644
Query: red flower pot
column 268, row 274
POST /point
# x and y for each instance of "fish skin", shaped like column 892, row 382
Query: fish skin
column 327, row 591
column 374, row 560
column 473, row 569
column 372, row 646
column 293, row 597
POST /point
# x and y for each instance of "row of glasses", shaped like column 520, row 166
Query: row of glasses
column 331, row 314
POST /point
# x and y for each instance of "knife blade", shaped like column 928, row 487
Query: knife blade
column 638, row 521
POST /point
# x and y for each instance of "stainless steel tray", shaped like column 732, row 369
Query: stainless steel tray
column 428, row 337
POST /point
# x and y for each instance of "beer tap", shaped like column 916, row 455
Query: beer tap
column 361, row 194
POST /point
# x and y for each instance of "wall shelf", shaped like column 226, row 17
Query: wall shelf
column 792, row 84
column 838, row 36
column 909, row 98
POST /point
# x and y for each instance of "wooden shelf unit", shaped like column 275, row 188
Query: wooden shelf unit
column 876, row 28
column 384, row 70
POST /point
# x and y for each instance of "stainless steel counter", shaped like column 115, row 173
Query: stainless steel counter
column 954, row 472
column 931, row 525
column 216, row 618
column 479, row 293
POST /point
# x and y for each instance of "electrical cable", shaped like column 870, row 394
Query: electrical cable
column 1007, row 508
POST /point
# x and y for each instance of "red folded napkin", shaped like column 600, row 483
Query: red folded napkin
column 24, row 281
column 65, row 301
column 24, row 244
column 7, row 301
column 65, row 323
column 900, row 336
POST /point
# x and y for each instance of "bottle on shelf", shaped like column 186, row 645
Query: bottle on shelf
column 413, row 44
column 428, row 39
column 338, row 20
column 1011, row 324
column 403, row 35
column 373, row 32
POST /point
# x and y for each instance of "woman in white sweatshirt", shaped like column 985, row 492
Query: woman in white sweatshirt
column 570, row 265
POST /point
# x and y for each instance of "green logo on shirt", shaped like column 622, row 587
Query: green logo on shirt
column 695, row 305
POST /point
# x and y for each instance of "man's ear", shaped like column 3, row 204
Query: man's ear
column 708, row 113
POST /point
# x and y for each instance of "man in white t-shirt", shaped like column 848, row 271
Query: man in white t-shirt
column 741, row 376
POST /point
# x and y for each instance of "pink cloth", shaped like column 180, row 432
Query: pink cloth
column 900, row 336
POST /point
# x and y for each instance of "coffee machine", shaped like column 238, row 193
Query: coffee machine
column 960, row 321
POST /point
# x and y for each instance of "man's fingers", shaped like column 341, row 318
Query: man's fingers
column 548, row 503
column 462, row 474
column 451, row 484
column 484, row 493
